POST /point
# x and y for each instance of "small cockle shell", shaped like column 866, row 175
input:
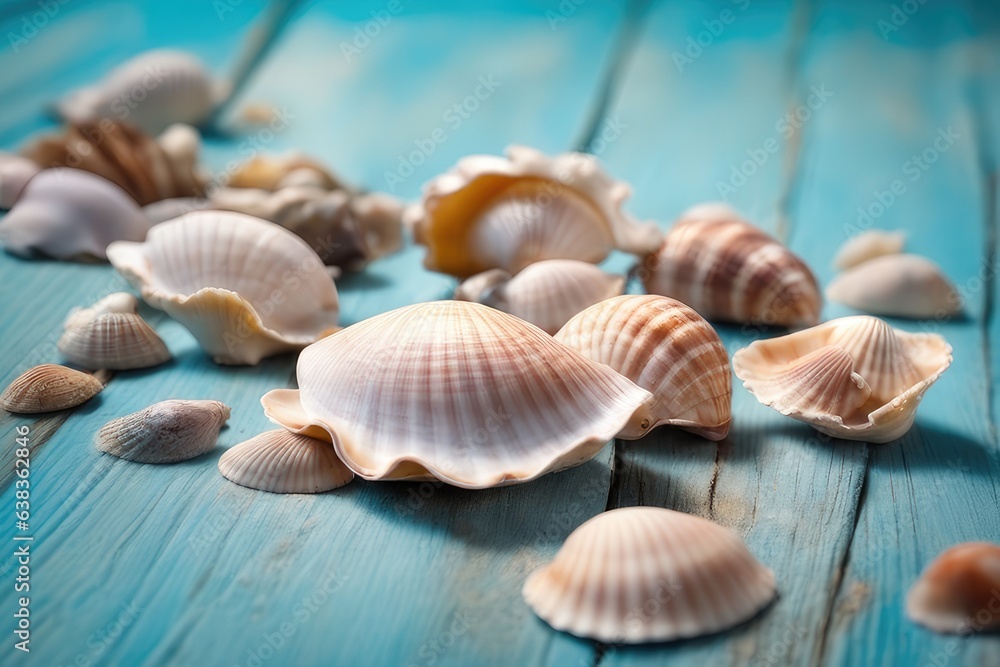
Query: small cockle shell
column 455, row 391
column 111, row 334
column 15, row 172
column 151, row 91
column 149, row 170
column 730, row 271
column 854, row 378
column 246, row 288
column 959, row 592
column 495, row 212
column 667, row 349
column 897, row 286
column 647, row 574
column 48, row 388
column 547, row 293
column 273, row 172
column 71, row 214
column 868, row 245
column 165, row 432
column 284, row 462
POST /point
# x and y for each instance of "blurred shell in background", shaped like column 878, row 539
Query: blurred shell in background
column 868, row 245
column 15, row 172
column 957, row 593
column 897, row 286
column 273, row 172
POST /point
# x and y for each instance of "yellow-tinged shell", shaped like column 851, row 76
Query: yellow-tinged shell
column 274, row 172
column 730, row 271
column 509, row 212
column 667, row 349
column 246, row 288
column 647, row 574
column 868, row 245
column 958, row 592
column 854, row 378
column 283, row 462
column 546, row 293
column 455, row 391
column 48, row 388
column 897, row 286
column 165, row 432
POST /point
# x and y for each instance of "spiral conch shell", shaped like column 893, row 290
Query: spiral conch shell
column 282, row 462
column 455, row 391
column 111, row 334
column 667, row 349
column 494, row 212
column 958, row 592
column 897, row 286
column 165, row 432
column 854, row 378
column 730, row 271
column 244, row 287
column 547, row 293
column 647, row 574
column 48, row 388
column 71, row 214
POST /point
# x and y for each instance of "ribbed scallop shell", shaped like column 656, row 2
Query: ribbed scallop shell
column 957, row 593
column 667, row 349
column 897, row 286
column 117, row 341
column 48, row 388
column 152, row 91
column 283, row 462
column 495, row 212
column 69, row 214
column 165, row 432
column 820, row 376
column 457, row 391
column 868, row 245
column 546, row 293
column 647, row 574
column 246, row 288
column 15, row 172
column 116, row 302
column 730, row 271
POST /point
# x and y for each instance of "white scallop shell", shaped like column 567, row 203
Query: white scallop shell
column 958, row 592
column 667, row 349
column 854, row 378
column 152, row 91
column 116, row 341
column 647, row 574
column 868, row 245
column 546, row 293
column 116, row 302
column 165, row 432
column 283, row 462
column 48, row 388
column 897, row 286
column 15, row 172
column 246, row 288
column 508, row 212
column 457, row 391
column 70, row 213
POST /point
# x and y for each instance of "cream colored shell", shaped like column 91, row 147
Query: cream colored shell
column 957, row 593
column 897, row 286
column 48, row 388
column 457, row 391
column 116, row 341
column 868, row 245
column 15, row 172
column 283, row 462
column 165, row 432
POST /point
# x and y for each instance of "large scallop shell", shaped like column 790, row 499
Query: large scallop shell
column 70, row 214
column 246, row 288
column 868, row 245
column 854, row 378
column 958, row 592
column 646, row 574
column 457, row 391
column 48, row 388
column 15, row 172
column 152, row 91
column 547, row 293
column 283, row 462
column 728, row 270
column 494, row 212
column 667, row 349
column 897, row 286
column 165, row 432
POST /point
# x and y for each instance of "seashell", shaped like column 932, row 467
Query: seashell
column 117, row 302
column 730, row 271
column 868, row 245
column 957, row 591
column 897, row 286
column 117, row 341
column 381, row 220
column 70, row 214
column 168, row 209
column 455, row 391
column 547, row 293
column 854, row 378
column 244, row 287
column 273, row 172
column 494, row 212
column 15, row 172
column 647, row 574
column 667, row 349
column 283, row 462
column 165, row 432
column 151, row 91
column 146, row 169
column 48, row 388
